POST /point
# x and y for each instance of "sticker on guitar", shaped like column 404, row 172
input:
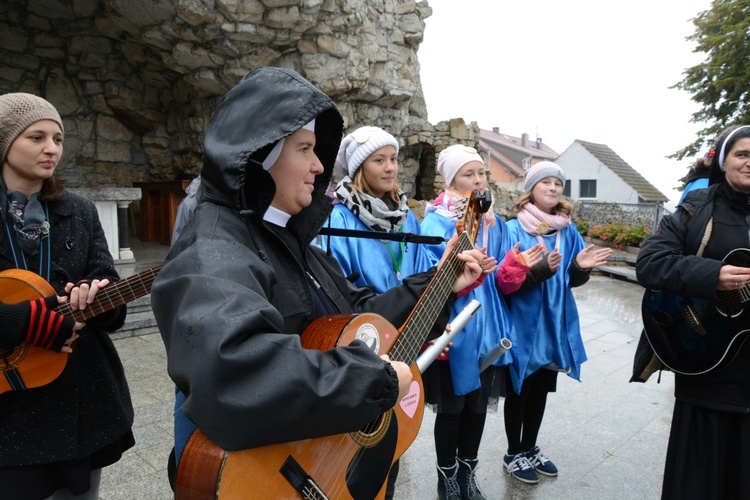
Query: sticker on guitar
column 410, row 402
column 368, row 334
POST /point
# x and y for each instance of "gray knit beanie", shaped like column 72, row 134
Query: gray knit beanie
column 17, row 112
column 540, row 171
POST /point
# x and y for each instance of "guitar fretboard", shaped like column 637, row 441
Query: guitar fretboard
column 113, row 296
column 422, row 317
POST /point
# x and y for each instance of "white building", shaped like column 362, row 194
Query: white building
column 595, row 173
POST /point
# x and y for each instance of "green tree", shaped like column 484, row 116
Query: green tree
column 721, row 83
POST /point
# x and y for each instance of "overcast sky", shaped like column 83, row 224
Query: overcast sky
column 593, row 70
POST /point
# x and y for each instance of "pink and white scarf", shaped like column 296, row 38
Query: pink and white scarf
column 538, row 223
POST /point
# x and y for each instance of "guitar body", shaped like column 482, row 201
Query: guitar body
column 694, row 336
column 26, row 366
column 344, row 466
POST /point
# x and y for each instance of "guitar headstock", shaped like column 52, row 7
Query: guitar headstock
column 471, row 208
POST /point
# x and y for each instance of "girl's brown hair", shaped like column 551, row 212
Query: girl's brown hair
column 360, row 184
column 52, row 189
column 563, row 207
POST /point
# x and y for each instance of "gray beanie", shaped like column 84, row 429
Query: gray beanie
column 17, row 112
column 540, row 171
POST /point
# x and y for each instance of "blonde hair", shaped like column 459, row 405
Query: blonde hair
column 360, row 184
column 563, row 207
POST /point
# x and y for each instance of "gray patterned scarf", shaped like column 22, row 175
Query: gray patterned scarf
column 29, row 220
column 376, row 214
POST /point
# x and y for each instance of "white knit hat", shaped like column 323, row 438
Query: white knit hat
column 17, row 112
column 540, row 171
column 452, row 158
column 357, row 146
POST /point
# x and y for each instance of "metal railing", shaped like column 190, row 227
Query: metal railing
column 629, row 214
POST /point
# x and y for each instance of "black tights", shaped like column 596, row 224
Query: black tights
column 524, row 412
column 458, row 434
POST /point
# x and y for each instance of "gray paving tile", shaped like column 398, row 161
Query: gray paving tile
column 607, row 436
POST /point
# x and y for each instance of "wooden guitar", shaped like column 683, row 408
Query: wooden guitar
column 26, row 366
column 694, row 336
column 353, row 465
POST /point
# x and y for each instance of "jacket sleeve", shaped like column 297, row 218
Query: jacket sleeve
column 13, row 318
column 537, row 274
column 398, row 303
column 512, row 273
column 248, row 382
column 578, row 275
column 664, row 264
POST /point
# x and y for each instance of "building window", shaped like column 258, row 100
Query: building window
column 566, row 189
column 588, row 189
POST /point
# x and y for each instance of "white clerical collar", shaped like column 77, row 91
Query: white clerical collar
column 276, row 216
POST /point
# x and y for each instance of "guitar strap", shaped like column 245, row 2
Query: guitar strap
column 706, row 237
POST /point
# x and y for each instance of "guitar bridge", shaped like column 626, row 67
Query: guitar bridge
column 694, row 321
column 301, row 480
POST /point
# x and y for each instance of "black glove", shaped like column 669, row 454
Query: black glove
column 46, row 327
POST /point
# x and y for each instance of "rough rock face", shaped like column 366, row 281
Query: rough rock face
column 136, row 81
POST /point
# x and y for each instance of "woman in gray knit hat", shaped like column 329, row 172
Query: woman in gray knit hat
column 57, row 431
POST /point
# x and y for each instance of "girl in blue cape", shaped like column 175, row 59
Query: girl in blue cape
column 545, row 315
column 368, row 198
column 454, row 386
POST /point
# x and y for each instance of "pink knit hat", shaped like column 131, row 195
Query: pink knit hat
column 452, row 158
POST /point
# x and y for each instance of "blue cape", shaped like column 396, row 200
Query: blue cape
column 368, row 257
column 491, row 323
column 546, row 316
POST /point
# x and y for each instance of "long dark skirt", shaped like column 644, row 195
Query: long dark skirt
column 438, row 387
column 708, row 455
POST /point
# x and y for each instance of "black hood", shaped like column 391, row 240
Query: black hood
column 265, row 106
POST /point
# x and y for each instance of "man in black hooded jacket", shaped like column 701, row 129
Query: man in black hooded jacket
column 242, row 282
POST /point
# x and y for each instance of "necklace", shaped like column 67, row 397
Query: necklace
column 397, row 260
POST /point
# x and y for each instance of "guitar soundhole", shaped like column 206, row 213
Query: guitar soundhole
column 10, row 357
column 373, row 432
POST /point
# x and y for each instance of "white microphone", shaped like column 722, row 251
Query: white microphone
column 433, row 350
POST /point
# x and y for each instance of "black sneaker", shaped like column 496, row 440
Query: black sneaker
column 540, row 462
column 519, row 467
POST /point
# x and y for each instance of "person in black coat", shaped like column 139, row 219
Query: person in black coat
column 55, row 438
column 708, row 454
column 242, row 283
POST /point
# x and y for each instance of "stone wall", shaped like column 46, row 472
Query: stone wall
column 136, row 81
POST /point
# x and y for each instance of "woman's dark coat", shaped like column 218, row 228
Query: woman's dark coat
column 233, row 297
column 88, row 406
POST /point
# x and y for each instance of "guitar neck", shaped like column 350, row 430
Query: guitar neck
column 417, row 326
column 113, row 296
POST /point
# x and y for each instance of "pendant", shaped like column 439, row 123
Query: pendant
column 398, row 275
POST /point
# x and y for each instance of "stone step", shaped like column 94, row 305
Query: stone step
column 139, row 321
column 141, row 304
column 626, row 272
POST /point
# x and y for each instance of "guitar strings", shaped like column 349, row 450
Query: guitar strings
column 727, row 299
column 143, row 284
column 424, row 310
column 430, row 308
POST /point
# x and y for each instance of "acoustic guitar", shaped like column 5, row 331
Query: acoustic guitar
column 345, row 466
column 26, row 366
column 694, row 336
